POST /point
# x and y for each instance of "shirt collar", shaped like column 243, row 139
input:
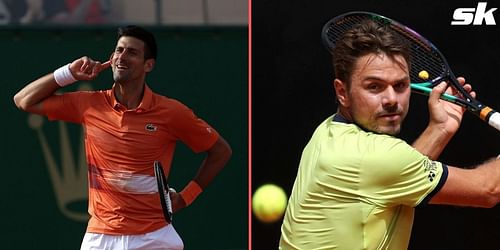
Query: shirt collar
column 339, row 118
column 144, row 105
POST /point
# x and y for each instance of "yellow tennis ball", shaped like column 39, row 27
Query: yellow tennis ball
column 424, row 75
column 269, row 203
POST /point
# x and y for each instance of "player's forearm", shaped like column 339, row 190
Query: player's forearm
column 490, row 171
column 215, row 161
column 35, row 92
column 476, row 187
column 483, row 185
column 432, row 141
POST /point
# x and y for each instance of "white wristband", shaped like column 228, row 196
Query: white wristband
column 63, row 76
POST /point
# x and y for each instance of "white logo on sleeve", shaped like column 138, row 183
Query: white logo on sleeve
column 431, row 167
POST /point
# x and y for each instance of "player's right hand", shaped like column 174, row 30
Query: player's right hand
column 447, row 115
column 85, row 68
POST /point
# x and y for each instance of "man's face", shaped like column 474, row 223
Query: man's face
column 379, row 94
column 128, row 61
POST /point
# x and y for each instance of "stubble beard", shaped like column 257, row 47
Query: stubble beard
column 379, row 127
column 121, row 77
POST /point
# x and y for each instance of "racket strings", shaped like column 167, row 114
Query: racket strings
column 423, row 60
column 423, row 56
column 338, row 27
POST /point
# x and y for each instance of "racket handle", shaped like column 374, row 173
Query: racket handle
column 422, row 88
column 494, row 120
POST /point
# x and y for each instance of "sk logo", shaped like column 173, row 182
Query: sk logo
column 476, row 16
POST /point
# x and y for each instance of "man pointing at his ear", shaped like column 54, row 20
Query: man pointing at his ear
column 127, row 128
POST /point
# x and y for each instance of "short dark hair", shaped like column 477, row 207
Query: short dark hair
column 150, row 48
column 365, row 38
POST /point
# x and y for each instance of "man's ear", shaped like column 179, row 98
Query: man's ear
column 341, row 92
column 149, row 64
column 111, row 57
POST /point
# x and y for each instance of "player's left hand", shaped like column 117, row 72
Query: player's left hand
column 443, row 114
column 177, row 201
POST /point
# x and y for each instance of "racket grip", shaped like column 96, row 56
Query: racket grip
column 494, row 120
column 422, row 88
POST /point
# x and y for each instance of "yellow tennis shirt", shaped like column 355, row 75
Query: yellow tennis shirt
column 357, row 190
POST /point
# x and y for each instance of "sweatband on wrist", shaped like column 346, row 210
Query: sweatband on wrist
column 63, row 76
column 190, row 192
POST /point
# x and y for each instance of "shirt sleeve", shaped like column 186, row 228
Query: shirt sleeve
column 396, row 173
column 198, row 135
column 67, row 107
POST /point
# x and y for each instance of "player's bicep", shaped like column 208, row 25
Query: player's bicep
column 463, row 187
column 193, row 131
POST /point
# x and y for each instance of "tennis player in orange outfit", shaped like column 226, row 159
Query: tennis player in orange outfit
column 127, row 128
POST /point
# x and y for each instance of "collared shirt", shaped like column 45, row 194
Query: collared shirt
column 121, row 146
column 357, row 190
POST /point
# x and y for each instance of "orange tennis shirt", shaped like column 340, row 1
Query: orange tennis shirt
column 121, row 146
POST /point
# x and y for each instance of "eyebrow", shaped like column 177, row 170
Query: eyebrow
column 127, row 47
column 375, row 78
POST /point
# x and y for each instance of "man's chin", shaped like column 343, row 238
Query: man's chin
column 119, row 78
column 390, row 130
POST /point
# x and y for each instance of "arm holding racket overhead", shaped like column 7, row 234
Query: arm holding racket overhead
column 444, row 121
column 485, row 113
column 426, row 58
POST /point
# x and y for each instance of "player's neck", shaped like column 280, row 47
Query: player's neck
column 345, row 114
column 129, row 95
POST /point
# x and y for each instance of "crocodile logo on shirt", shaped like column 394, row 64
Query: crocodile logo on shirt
column 151, row 127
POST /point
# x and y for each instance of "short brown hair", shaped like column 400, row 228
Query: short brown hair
column 365, row 38
column 150, row 47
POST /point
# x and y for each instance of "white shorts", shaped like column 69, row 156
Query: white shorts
column 165, row 238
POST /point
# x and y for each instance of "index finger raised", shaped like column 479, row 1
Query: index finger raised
column 105, row 64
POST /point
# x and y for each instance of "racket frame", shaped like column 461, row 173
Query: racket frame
column 163, row 191
column 471, row 104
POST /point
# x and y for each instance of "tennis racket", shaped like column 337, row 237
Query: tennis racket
column 163, row 191
column 427, row 62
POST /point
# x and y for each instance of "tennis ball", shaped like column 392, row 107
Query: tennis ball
column 424, row 75
column 269, row 203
